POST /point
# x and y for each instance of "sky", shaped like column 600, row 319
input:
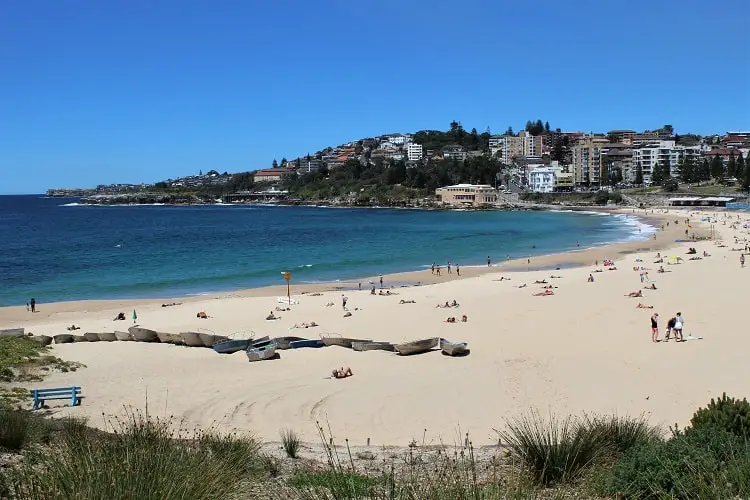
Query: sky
column 96, row 92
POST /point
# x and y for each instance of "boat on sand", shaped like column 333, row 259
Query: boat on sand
column 283, row 343
column 417, row 346
column 330, row 339
column 143, row 334
column 297, row 344
column 191, row 339
column 373, row 346
column 63, row 339
column 124, row 336
column 453, row 348
column 107, row 336
column 265, row 351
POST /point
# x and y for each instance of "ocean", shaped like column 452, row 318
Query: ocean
column 54, row 249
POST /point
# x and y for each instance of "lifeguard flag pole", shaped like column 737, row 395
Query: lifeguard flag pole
column 135, row 316
column 288, row 278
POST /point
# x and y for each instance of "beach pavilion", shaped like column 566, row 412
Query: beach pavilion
column 697, row 201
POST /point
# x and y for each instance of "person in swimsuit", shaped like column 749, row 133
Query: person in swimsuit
column 655, row 327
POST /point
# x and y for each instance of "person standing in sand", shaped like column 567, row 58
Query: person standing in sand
column 458, row 270
column 381, row 281
column 449, row 267
column 655, row 327
column 742, row 260
column 344, row 299
column 678, row 324
column 489, row 261
column 33, row 304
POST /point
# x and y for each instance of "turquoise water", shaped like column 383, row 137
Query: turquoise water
column 57, row 250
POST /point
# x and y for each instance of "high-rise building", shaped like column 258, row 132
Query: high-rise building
column 414, row 152
column 586, row 155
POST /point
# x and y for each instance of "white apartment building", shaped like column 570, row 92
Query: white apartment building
column 648, row 155
column 414, row 152
column 397, row 139
column 542, row 179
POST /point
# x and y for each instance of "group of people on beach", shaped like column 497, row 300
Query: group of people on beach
column 435, row 268
column 674, row 325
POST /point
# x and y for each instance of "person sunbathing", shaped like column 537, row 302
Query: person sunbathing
column 330, row 304
column 450, row 319
column 311, row 324
column 73, row 327
column 639, row 293
column 550, row 287
column 283, row 308
column 643, row 306
column 591, row 278
column 598, row 270
column 613, row 268
column 202, row 315
column 464, row 319
column 342, row 372
column 661, row 270
column 540, row 282
column 652, row 286
column 696, row 258
column 553, row 276
column 454, row 303
column 522, row 286
column 119, row 317
column 542, row 294
column 443, row 306
column 271, row 316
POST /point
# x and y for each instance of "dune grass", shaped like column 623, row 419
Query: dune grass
column 142, row 457
column 290, row 442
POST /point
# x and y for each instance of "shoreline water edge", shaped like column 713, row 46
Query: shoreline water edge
column 557, row 333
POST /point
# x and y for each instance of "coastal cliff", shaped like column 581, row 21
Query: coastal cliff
column 69, row 192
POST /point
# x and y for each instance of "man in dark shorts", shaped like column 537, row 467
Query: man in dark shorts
column 670, row 326
column 655, row 327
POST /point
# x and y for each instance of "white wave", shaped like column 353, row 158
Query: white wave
column 72, row 205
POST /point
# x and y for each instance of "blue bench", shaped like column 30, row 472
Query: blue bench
column 41, row 395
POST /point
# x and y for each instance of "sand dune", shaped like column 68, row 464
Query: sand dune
column 587, row 348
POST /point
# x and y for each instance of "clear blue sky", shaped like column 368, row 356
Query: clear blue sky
column 137, row 91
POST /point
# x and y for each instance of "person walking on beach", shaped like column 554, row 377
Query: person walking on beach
column 458, row 270
column 381, row 281
column 742, row 260
column 433, row 268
column 343, row 301
column 655, row 327
column 449, row 267
column 679, row 321
column 437, row 270
column 489, row 261
column 33, row 304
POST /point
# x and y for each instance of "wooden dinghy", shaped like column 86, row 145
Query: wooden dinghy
column 79, row 338
column 260, row 353
column 63, row 339
column 330, row 339
column 42, row 339
column 231, row 346
column 191, row 339
column 282, row 343
column 210, row 339
column 175, row 338
column 163, row 337
column 13, row 332
column 297, row 344
column 124, row 336
column 91, row 337
column 373, row 346
column 453, row 348
column 107, row 336
column 417, row 347
column 143, row 334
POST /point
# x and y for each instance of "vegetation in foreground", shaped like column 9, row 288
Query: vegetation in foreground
column 552, row 457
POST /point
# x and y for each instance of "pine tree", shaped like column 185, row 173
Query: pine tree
column 546, row 127
column 742, row 169
column 638, row 176
column 731, row 166
column 704, row 171
column 274, row 164
column 687, row 173
column 657, row 177
column 717, row 168
column 746, row 181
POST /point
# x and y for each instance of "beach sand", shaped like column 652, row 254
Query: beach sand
column 587, row 348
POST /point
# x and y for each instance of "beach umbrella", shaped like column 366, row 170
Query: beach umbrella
column 673, row 260
column 135, row 316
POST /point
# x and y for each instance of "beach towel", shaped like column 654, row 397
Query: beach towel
column 285, row 300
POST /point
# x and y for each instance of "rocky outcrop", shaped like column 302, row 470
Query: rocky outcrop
column 142, row 199
column 69, row 193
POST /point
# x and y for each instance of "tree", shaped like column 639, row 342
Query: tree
column 638, row 175
column 731, row 166
column 666, row 170
column 704, row 171
column 284, row 162
column 687, row 169
column 275, row 164
column 717, row 168
column 742, row 170
column 509, row 132
column 612, row 137
column 546, row 127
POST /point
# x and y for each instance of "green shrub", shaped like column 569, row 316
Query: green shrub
column 701, row 463
column 14, row 429
column 554, row 450
column 729, row 414
column 338, row 484
column 290, row 441
column 141, row 458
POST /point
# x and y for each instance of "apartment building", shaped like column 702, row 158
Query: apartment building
column 467, row 194
column 542, row 179
column 309, row 165
column 414, row 152
column 648, row 155
column 508, row 147
column 622, row 136
column 586, row 160
column 454, row 152
column 617, row 156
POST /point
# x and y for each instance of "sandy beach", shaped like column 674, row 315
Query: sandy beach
column 586, row 348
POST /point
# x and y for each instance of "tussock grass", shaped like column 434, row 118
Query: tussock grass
column 554, row 450
column 291, row 443
column 622, row 433
column 143, row 457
